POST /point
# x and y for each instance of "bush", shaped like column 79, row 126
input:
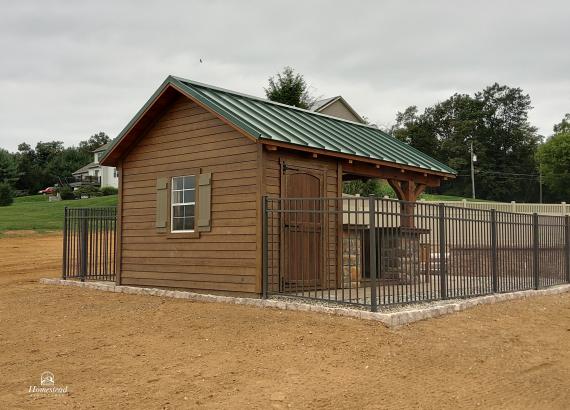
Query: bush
column 369, row 187
column 6, row 194
column 109, row 190
column 66, row 193
column 88, row 190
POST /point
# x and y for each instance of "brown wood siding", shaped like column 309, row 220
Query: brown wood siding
column 272, row 187
column 224, row 259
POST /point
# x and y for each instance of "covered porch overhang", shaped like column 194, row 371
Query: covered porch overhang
column 408, row 183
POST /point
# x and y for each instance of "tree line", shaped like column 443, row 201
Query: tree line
column 512, row 158
column 29, row 170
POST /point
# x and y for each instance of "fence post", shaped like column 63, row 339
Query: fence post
column 84, row 239
column 373, row 264
column 265, row 234
column 567, row 226
column 442, row 254
column 535, row 266
column 64, row 264
column 494, row 251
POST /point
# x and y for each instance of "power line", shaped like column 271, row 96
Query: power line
column 565, row 174
column 502, row 173
column 503, row 176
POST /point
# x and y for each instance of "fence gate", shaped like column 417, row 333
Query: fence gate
column 89, row 240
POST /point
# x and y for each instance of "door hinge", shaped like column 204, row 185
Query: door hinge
column 287, row 167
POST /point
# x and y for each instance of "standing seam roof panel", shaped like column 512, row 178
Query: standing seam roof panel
column 380, row 139
column 304, row 124
column 341, row 144
column 281, row 123
column 274, row 121
column 220, row 110
column 245, row 111
column 307, row 135
column 379, row 142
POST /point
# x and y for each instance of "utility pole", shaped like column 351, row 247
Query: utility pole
column 540, row 183
column 473, row 159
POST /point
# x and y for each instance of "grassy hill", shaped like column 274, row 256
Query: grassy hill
column 36, row 213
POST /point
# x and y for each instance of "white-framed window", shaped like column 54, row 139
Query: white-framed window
column 183, row 204
column 115, row 173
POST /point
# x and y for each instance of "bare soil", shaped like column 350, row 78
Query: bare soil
column 129, row 351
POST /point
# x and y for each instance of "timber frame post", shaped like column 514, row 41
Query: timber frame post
column 407, row 191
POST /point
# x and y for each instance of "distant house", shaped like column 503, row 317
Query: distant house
column 95, row 173
column 337, row 107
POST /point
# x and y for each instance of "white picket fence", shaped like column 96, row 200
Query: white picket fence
column 542, row 209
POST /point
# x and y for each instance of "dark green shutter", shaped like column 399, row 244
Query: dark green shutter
column 204, row 202
column 161, row 202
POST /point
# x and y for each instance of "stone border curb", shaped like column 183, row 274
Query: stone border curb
column 391, row 319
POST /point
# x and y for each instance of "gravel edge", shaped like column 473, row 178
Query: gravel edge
column 392, row 318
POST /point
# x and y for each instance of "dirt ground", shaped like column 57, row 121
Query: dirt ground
column 128, row 351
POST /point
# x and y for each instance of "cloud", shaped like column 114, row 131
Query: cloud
column 71, row 69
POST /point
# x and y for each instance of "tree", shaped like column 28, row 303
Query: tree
column 554, row 159
column 94, row 142
column 25, row 159
column 6, row 194
column 51, row 162
column 289, row 88
column 563, row 126
column 495, row 120
column 8, row 168
column 509, row 143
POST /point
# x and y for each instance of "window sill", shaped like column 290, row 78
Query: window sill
column 183, row 235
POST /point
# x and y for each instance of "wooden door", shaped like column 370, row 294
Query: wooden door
column 302, row 227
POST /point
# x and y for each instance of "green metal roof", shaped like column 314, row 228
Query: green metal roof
column 271, row 121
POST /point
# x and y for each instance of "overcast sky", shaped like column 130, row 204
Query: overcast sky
column 70, row 69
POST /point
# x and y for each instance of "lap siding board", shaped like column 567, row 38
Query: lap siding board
column 223, row 259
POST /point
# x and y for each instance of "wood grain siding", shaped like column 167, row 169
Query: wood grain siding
column 224, row 259
column 272, row 180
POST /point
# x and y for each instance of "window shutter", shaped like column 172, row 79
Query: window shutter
column 161, row 202
column 204, row 202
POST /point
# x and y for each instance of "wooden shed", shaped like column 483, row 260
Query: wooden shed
column 196, row 161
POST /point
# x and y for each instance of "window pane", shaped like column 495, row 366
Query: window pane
column 189, row 182
column 189, row 196
column 177, row 224
column 177, row 183
column 189, row 224
column 177, row 197
column 177, row 211
column 188, row 210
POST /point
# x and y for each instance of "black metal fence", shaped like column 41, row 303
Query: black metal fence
column 371, row 252
column 89, row 238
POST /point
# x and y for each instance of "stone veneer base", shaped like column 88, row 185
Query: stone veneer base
column 391, row 319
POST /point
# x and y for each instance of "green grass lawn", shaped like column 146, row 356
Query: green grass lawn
column 36, row 213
